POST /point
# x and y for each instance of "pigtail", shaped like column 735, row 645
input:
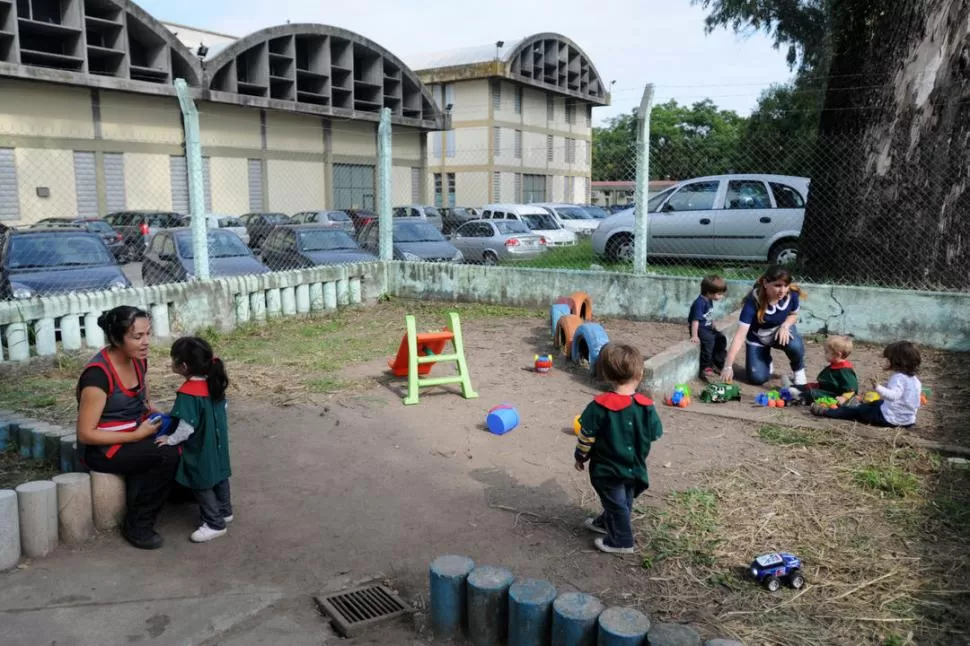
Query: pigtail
column 217, row 379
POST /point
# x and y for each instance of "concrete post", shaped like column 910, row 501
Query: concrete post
column 530, row 612
column 107, row 499
column 343, row 291
column 71, row 332
column 330, row 295
column 75, row 518
column 67, row 453
column 288, row 300
column 25, row 437
column 642, row 188
column 622, row 627
column 384, row 155
column 5, row 435
column 488, row 605
column 303, row 299
column 193, row 163
column 160, row 323
column 316, row 297
column 274, row 305
column 52, row 443
column 17, row 345
column 243, row 312
column 45, row 339
column 356, row 295
column 9, row 529
column 37, row 447
column 93, row 335
column 448, row 597
column 574, row 617
column 257, row 304
column 37, row 507
column 673, row 635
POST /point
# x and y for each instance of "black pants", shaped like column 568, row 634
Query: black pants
column 713, row 348
column 617, row 497
column 866, row 413
column 149, row 472
column 214, row 504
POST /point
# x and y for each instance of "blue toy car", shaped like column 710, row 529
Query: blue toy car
column 771, row 569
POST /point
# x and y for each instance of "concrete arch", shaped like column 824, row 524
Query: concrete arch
column 554, row 61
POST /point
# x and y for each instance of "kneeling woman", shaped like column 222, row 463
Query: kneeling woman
column 113, row 407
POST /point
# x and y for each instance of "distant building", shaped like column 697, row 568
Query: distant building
column 521, row 114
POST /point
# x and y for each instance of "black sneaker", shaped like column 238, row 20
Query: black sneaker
column 593, row 526
column 145, row 539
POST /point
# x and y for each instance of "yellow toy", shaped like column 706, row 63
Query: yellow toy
column 870, row 397
column 576, row 425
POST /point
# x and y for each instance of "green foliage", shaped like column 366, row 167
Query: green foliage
column 686, row 529
column 888, row 479
column 783, row 436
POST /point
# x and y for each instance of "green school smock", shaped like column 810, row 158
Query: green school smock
column 618, row 431
column 839, row 378
column 205, row 454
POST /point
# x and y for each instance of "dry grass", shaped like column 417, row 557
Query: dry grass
column 883, row 533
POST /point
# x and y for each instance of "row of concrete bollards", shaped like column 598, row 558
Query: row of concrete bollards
column 37, row 516
column 488, row 606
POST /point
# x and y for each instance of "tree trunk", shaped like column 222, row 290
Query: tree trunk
column 890, row 192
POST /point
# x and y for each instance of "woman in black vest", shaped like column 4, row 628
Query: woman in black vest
column 113, row 408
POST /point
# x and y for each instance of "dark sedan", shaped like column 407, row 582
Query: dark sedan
column 258, row 225
column 413, row 240
column 308, row 245
column 112, row 239
column 170, row 257
column 37, row 262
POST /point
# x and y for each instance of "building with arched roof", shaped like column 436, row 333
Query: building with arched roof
column 521, row 117
column 288, row 114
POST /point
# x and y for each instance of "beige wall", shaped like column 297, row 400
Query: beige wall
column 295, row 185
column 354, row 138
column 401, row 185
column 534, row 107
column 229, row 182
column 133, row 117
column 406, row 143
column 471, row 146
column 472, row 99
column 43, row 109
column 293, row 132
column 471, row 189
column 148, row 181
column 53, row 169
column 505, row 153
column 534, row 149
column 228, row 125
column 508, row 189
column 558, row 189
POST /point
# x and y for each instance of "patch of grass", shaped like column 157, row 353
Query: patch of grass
column 44, row 390
column 327, row 385
column 952, row 512
column 685, row 530
column 888, row 479
column 15, row 470
column 786, row 436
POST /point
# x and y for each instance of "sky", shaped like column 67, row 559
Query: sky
column 632, row 42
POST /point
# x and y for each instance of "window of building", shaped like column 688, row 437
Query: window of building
column 496, row 187
column 518, row 99
column 533, row 188
column 497, row 95
column 9, row 197
column 497, row 141
column 517, row 144
column 570, row 113
column 451, row 189
column 550, row 153
column 442, row 183
column 570, row 151
column 416, row 185
column 518, row 187
column 568, row 197
column 550, row 108
column 589, row 116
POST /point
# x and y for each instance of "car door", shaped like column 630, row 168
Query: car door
column 746, row 221
column 170, row 266
column 269, row 254
column 684, row 224
column 470, row 241
column 151, row 269
column 290, row 252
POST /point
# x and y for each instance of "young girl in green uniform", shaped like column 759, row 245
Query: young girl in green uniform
column 202, row 430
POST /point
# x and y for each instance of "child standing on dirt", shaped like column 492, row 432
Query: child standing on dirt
column 202, row 428
column 701, row 320
column 900, row 397
column 838, row 379
column 618, row 428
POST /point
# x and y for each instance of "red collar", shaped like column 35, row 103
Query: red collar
column 615, row 402
column 195, row 388
column 841, row 365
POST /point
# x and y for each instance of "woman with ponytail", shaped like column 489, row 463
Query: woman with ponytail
column 202, row 432
column 768, row 318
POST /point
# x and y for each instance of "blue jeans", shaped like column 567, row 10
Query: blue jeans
column 214, row 504
column 757, row 358
column 870, row 413
column 617, row 497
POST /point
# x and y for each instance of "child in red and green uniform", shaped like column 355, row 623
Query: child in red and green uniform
column 838, row 379
column 203, row 432
column 618, row 428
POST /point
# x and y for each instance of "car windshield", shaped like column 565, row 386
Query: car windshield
column 572, row 213
column 161, row 220
column 416, row 232
column 597, row 212
column 654, row 203
column 510, row 226
column 322, row 240
column 61, row 250
column 540, row 221
column 221, row 245
column 276, row 218
column 338, row 216
column 226, row 221
column 432, row 212
column 99, row 226
column 460, row 210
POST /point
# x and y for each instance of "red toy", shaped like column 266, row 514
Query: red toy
column 543, row 363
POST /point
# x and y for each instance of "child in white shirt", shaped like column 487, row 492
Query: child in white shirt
column 899, row 398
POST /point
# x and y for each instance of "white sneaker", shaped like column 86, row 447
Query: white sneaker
column 592, row 526
column 228, row 518
column 603, row 547
column 205, row 534
column 771, row 368
column 800, row 378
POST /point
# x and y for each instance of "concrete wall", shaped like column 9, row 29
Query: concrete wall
column 472, row 99
column 533, row 150
column 471, row 147
column 401, row 185
column 52, row 169
column 534, row 108
column 148, row 181
column 46, row 110
column 471, row 189
column 406, row 144
column 295, row 185
column 135, row 117
column 294, row 132
column 235, row 127
column 354, row 138
column 229, row 181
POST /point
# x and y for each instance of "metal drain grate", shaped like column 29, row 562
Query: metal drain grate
column 354, row 609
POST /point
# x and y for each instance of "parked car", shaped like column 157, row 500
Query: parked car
column 171, row 257
column 536, row 218
column 453, row 217
column 138, row 227
column 308, row 245
column 227, row 222
column 732, row 217
column 112, row 239
column 427, row 213
column 38, row 262
column 497, row 241
column 616, row 208
column 333, row 219
column 596, row 212
column 413, row 240
column 258, row 225
column 572, row 218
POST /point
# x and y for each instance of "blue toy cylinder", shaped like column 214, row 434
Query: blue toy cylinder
column 623, row 627
column 37, row 443
column 530, row 612
column 448, row 596
column 502, row 419
column 25, row 439
column 488, row 605
column 4, row 435
column 67, row 453
column 574, row 617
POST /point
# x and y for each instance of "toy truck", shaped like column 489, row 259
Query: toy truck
column 719, row 393
column 771, row 569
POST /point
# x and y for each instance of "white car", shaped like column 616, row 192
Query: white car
column 538, row 219
column 228, row 222
column 572, row 218
column 731, row 217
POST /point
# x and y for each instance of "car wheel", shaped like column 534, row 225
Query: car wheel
column 796, row 580
column 489, row 258
column 784, row 253
column 620, row 247
column 772, row 584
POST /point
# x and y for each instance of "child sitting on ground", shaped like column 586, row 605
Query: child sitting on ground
column 617, row 430
column 900, row 397
column 702, row 330
column 837, row 380
column 202, row 428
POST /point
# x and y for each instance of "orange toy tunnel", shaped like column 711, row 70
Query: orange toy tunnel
column 566, row 330
column 579, row 304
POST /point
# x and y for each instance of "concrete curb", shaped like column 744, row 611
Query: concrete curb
column 680, row 362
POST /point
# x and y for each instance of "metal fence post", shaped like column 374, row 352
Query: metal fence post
column 385, row 222
column 193, row 162
column 642, row 190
